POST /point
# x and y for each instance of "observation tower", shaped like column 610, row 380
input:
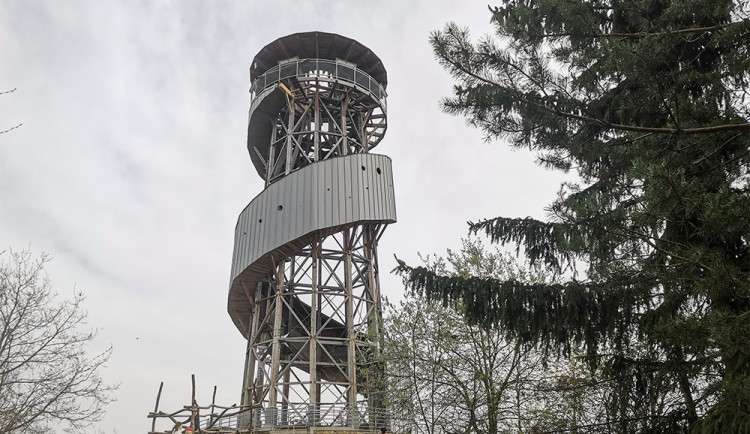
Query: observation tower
column 304, row 289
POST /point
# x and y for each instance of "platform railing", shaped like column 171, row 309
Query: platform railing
column 322, row 70
column 303, row 417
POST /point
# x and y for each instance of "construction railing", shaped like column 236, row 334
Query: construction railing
column 241, row 419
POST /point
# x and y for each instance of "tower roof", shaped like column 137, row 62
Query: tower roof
column 318, row 45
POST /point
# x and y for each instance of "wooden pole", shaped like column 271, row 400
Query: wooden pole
column 156, row 407
column 351, row 365
column 314, row 319
column 193, row 405
column 213, row 404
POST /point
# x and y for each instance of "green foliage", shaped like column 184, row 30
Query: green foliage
column 645, row 101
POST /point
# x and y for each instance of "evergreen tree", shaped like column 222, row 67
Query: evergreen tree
column 645, row 101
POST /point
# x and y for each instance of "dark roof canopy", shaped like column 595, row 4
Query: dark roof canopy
column 318, row 45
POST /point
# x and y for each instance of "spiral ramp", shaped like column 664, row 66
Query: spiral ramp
column 309, row 204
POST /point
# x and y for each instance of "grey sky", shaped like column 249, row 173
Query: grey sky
column 131, row 166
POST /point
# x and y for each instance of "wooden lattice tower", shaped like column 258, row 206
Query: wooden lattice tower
column 304, row 285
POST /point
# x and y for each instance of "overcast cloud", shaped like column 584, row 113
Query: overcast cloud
column 131, row 166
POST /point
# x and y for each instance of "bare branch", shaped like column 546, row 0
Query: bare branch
column 46, row 373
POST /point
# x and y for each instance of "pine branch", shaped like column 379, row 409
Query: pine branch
column 621, row 127
column 553, row 316
column 540, row 239
column 644, row 34
column 522, row 97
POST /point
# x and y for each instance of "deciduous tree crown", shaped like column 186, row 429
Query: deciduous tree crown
column 47, row 376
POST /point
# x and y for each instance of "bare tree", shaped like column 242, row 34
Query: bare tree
column 47, row 375
column 453, row 377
